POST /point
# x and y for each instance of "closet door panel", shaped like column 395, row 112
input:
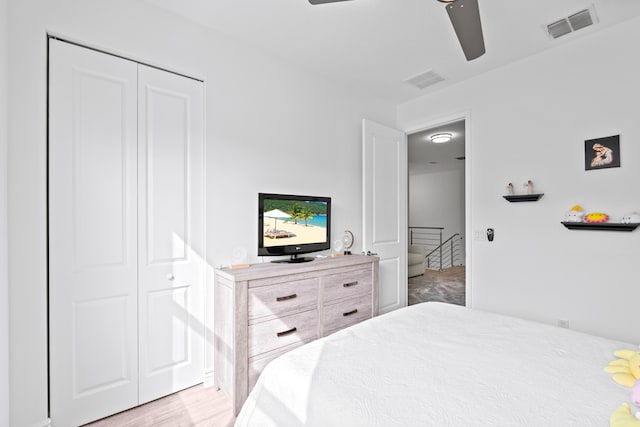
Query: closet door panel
column 92, row 234
column 171, row 231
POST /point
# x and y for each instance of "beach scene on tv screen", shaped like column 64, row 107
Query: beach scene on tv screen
column 294, row 222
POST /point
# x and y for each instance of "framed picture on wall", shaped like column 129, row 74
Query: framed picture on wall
column 602, row 153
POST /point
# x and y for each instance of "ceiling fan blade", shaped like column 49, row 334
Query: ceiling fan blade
column 465, row 17
column 324, row 1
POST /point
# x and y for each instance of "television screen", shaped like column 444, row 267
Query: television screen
column 292, row 225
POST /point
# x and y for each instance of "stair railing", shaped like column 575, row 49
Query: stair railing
column 441, row 253
column 429, row 237
column 446, row 254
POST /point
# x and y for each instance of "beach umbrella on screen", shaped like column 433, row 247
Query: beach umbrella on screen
column 276, row 214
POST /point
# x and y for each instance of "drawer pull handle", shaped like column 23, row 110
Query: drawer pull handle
column 349, row 313
column 285, row 333
column 348, row 285
column 288, row 297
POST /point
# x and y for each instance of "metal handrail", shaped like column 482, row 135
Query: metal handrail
column 447, row 259
column 442, row 244
column 431, row 239
column 418, row 235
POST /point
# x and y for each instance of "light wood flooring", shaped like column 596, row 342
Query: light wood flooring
column 194, row 407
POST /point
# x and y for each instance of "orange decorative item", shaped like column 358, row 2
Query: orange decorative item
column 596, row 217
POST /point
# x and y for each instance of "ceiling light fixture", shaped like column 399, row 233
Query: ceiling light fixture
column 440, row 138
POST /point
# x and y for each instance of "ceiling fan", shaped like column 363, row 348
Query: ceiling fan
column 465, row 18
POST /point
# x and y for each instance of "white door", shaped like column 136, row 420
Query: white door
column 93, row 323
column 384, row 208
column 171, row 232
column 126, row 230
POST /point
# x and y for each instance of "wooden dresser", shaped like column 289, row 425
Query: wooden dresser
column 268, row 309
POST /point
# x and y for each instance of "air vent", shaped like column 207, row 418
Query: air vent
column 580, row 20
column 559, row 28
column 426, row 79
column 575, row 22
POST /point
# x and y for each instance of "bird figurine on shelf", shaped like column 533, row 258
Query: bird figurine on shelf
column 529, row 187
column 510, row 189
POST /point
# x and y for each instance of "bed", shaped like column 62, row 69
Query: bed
column 436, row 364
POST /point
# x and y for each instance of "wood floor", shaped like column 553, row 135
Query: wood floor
column 194, row 407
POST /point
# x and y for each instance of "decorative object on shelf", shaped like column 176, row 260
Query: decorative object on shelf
column 575, row 219
column 596, row 218
column 601, row 153
column 576, row 214
column 348, row 239
column 529, row 197
column 631, row 218
column 529, row 186
column 510, row 190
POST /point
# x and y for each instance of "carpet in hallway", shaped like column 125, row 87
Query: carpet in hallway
column 442, row 286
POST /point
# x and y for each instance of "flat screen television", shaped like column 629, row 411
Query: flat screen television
column 293, row 225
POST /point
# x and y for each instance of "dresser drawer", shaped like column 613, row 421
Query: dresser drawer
column 346, row 313
column 257, row 365
column 282, row 298
column 286, row 330
column 346, row 285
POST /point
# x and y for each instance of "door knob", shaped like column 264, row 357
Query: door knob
column 170, row 276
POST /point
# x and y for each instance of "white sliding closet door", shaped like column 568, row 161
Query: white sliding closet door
column 126, row 233
column 171, row 230
column 93, row 298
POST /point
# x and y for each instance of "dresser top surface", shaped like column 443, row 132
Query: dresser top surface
column 270, row 269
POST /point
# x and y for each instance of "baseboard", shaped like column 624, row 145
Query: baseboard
column 209, row 380
column 44, row 423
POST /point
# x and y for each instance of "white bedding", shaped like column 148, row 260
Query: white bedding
column 436, row 364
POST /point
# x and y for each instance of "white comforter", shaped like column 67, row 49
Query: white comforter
column 436, row 364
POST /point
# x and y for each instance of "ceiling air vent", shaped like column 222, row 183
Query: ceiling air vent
column 578, row 20
column 426, row 79
column 559, row 28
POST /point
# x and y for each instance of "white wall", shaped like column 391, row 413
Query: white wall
column 270, row 127
column 528, row 121
column 4, row 276
column 437, row 200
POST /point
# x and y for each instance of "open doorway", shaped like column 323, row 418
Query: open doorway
column 436, row 255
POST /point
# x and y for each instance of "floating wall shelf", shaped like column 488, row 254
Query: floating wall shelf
column 601, row 226
column 524, row 197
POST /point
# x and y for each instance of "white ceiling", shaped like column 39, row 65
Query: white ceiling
column 426, row 157
column 375, row 45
